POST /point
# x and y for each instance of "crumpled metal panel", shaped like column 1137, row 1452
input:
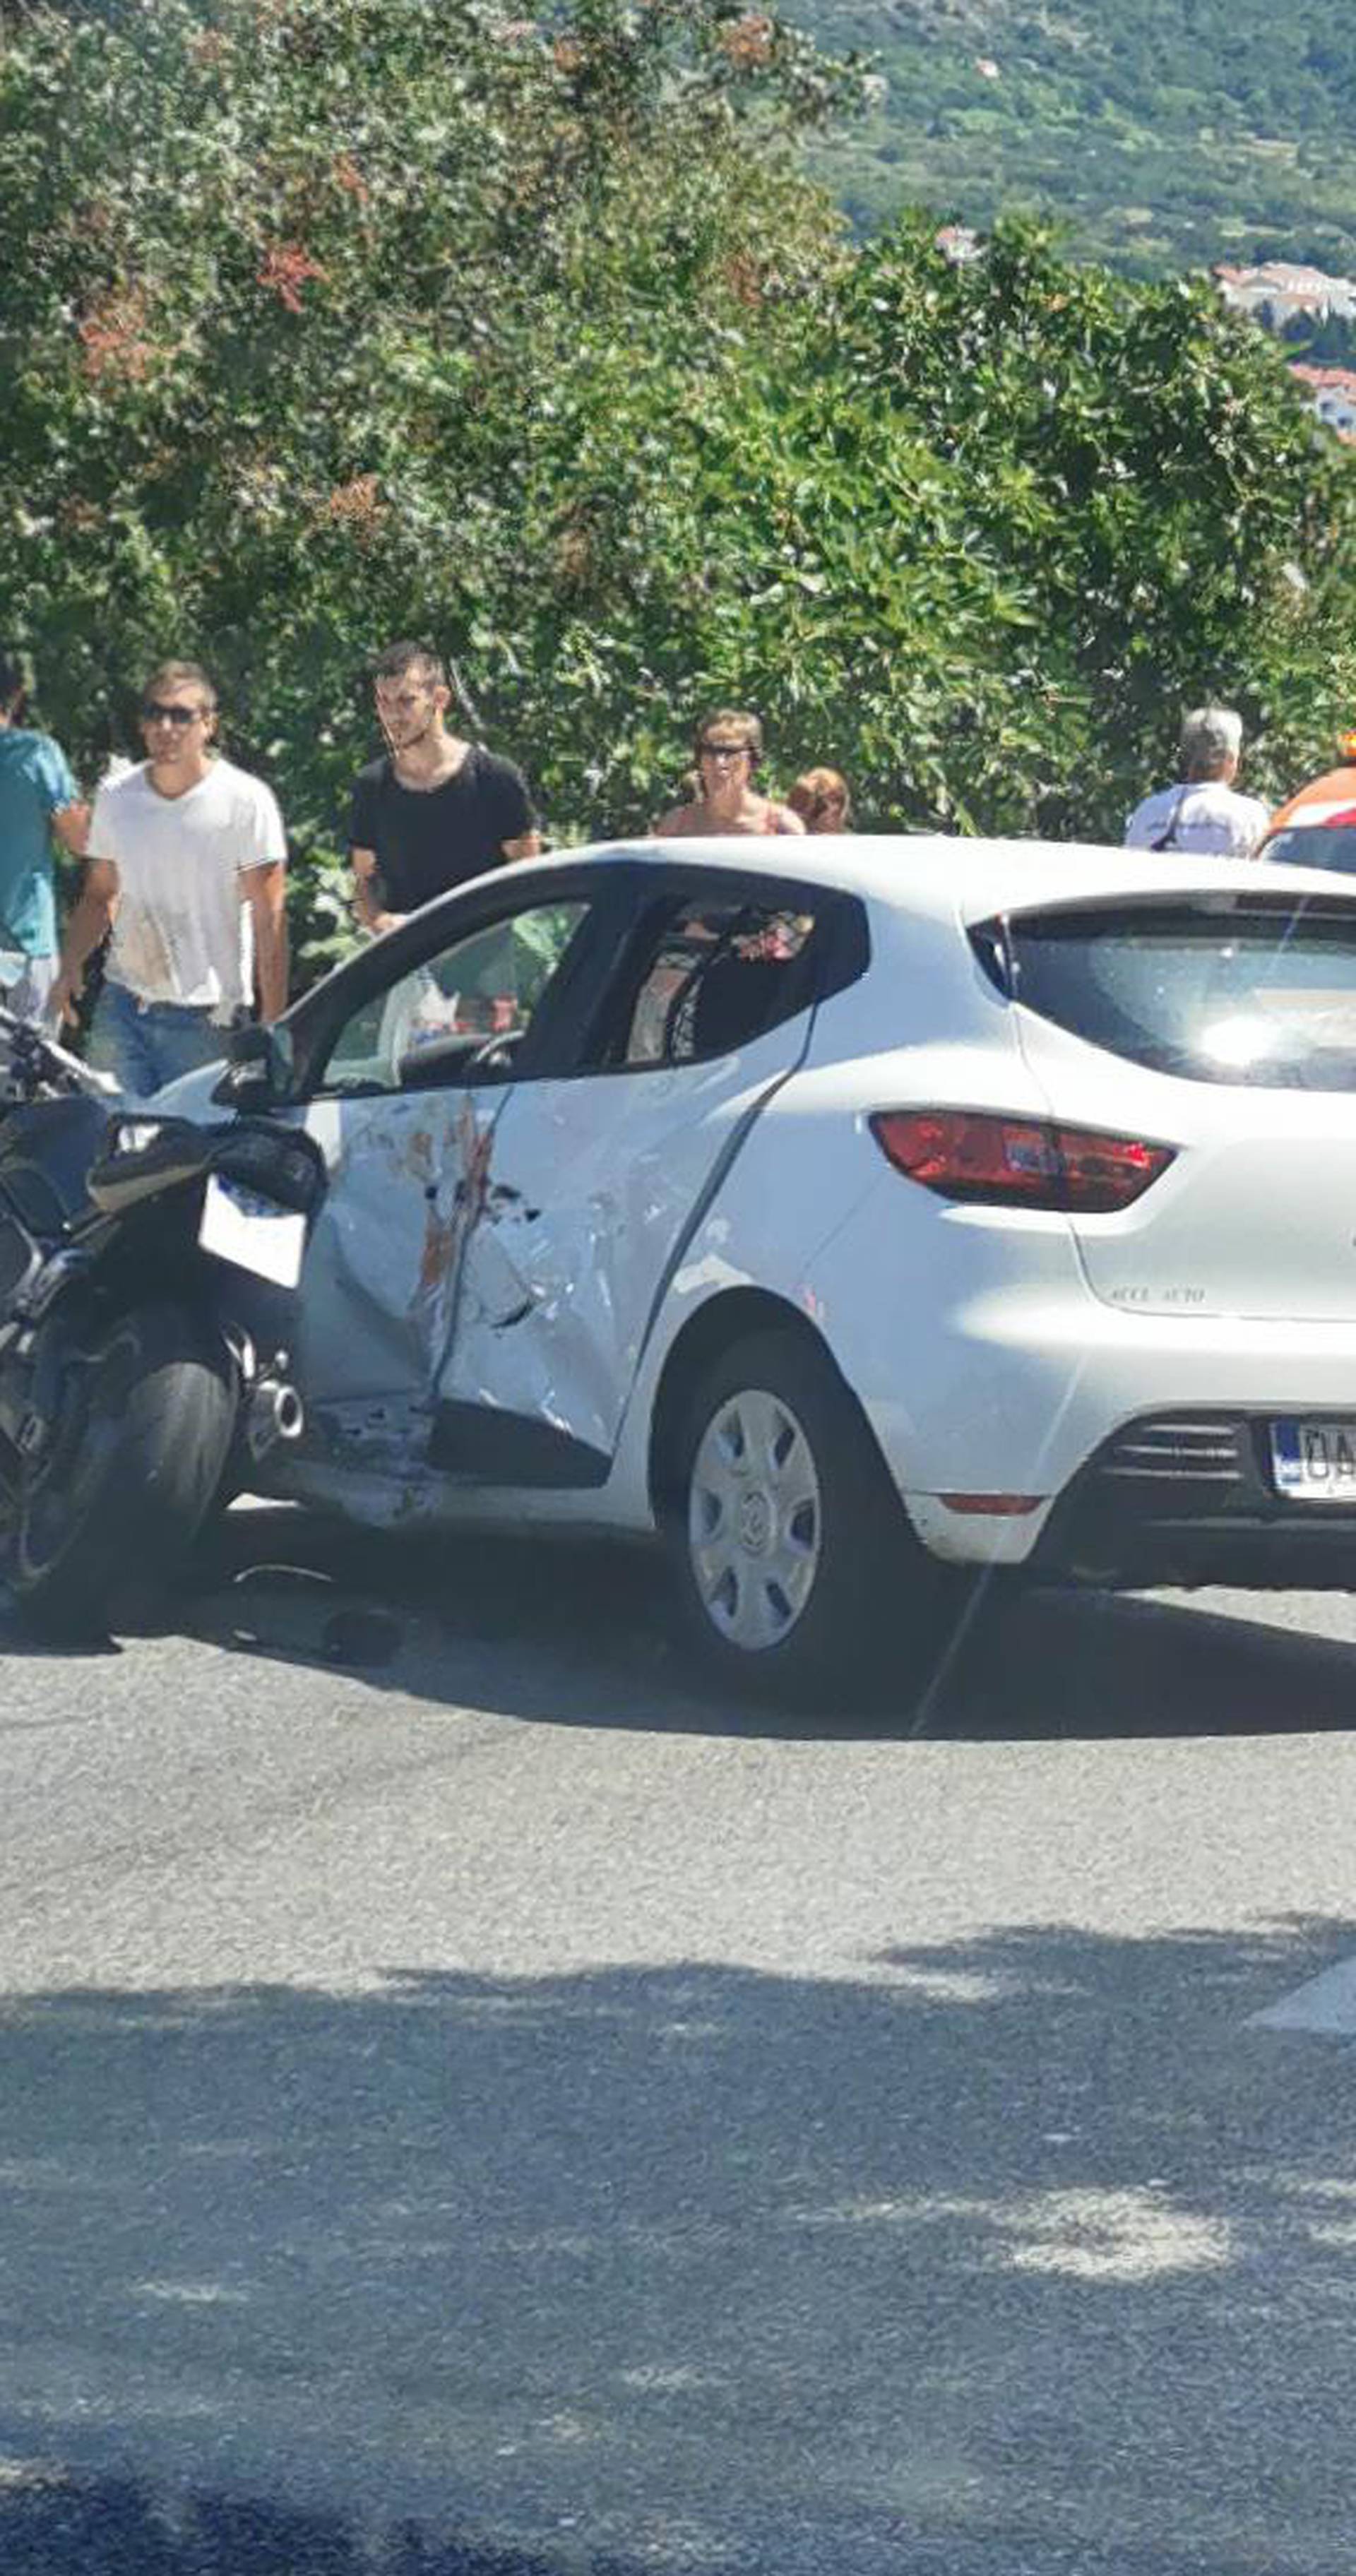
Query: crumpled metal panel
column 538, row 1327
column 593, row 1186
column 507, row 1247
column 406, row 1179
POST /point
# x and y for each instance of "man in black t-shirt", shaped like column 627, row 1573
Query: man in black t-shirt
column 435, row 810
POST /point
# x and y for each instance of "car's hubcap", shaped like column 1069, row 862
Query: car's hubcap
column 755, row 1520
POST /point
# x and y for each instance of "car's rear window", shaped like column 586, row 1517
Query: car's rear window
column 1315, row 845
column 1224, row 991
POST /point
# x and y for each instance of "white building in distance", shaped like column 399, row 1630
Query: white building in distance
column 1281, row 288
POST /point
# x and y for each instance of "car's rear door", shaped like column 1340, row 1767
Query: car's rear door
column 1222, row 1025
column 599, row 1176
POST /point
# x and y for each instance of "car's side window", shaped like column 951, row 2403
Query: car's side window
column 713, row 976
column 459, row 1016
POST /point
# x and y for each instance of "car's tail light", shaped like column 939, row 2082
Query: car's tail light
column 1018, row 1162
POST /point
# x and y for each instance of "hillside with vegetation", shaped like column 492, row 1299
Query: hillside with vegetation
column 325, row 322
column 1162, row 133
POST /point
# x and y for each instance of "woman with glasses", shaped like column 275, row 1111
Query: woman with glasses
column 728, row 747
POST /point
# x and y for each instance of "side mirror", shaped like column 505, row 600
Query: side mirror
column 260, row 1070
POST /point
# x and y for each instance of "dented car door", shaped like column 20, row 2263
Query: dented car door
column 595, row 1180
column 380, row 1270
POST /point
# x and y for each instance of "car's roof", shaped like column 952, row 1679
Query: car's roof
column 949, row 877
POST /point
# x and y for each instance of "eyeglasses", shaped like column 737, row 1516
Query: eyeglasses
column 724, row 750
column 153, row 712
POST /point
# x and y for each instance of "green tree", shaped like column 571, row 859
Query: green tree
column 324, row 323
column 288, row 282
column 976, row 533
column 1155, row 487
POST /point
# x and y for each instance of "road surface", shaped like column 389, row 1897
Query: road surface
column 473, row 2107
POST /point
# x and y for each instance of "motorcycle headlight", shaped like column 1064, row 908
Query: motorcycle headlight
column 137, row 1135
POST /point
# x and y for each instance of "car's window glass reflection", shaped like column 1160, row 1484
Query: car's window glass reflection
column 717, row 976
column 466, row 1010
column 1267, row 997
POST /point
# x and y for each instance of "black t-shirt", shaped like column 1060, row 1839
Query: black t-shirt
column 427, row 841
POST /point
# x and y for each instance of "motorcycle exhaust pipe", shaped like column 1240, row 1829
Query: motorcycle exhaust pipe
column 274, row 1412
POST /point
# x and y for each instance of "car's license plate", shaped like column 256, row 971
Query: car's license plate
column 1315, row 1462
column 243, row 1226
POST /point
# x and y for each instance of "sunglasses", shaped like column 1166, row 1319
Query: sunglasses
column 724, row 750
column 154, row 713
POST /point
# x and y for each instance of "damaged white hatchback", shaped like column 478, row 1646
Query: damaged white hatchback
column 843, row 1211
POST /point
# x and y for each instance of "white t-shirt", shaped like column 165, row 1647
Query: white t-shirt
column 182, row 933
column 1214, row 818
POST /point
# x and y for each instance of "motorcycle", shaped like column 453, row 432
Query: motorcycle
column 148, row 1274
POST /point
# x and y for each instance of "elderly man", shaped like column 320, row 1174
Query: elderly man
column 1204, row 811
column 186, row 866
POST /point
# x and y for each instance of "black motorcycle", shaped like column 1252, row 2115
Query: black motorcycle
column 148, row 1276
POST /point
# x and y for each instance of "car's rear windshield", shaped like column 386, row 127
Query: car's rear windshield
column 1315, row 845
column 1225, row 990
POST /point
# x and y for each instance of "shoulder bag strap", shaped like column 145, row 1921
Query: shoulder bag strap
column 1168, row 840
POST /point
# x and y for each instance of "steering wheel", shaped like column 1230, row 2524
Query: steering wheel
column 494, row 1054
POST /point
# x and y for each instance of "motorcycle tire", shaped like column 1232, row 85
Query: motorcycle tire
column 108, row 1516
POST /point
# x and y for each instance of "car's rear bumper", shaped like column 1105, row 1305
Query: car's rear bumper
column 1032, row 1394
column 1190, row 1497
column 1010, row 1406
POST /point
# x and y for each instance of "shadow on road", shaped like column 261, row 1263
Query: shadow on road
column 1016, row 2257
column 569, row 1634
column 52, row 2525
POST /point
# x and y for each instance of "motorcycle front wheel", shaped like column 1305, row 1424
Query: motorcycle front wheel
column 106, row 1518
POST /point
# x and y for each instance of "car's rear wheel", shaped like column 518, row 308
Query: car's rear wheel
column 798, row 1575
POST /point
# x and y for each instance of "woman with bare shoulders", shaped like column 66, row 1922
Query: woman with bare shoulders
column 728, row 746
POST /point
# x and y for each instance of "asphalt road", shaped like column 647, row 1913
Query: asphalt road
column 472, row 2108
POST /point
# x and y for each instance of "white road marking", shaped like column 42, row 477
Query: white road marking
column 1324, row 2003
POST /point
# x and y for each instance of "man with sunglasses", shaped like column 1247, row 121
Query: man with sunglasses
column 186, row 869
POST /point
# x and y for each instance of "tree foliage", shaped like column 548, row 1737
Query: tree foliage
column 325, row 322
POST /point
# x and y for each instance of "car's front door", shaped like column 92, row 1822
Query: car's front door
column 599, row 1178
column 404, row 1100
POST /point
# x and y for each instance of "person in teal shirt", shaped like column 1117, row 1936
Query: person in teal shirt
column 38, row 797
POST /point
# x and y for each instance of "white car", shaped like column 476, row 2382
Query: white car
column 844, row 1210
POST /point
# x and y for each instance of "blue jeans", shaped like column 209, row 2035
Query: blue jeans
column 142, row 1048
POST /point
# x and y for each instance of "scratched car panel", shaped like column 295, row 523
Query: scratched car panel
column 604, row 1173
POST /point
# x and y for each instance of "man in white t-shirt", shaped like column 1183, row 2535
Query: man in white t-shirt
column 1204, row 811
column 186, row 867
